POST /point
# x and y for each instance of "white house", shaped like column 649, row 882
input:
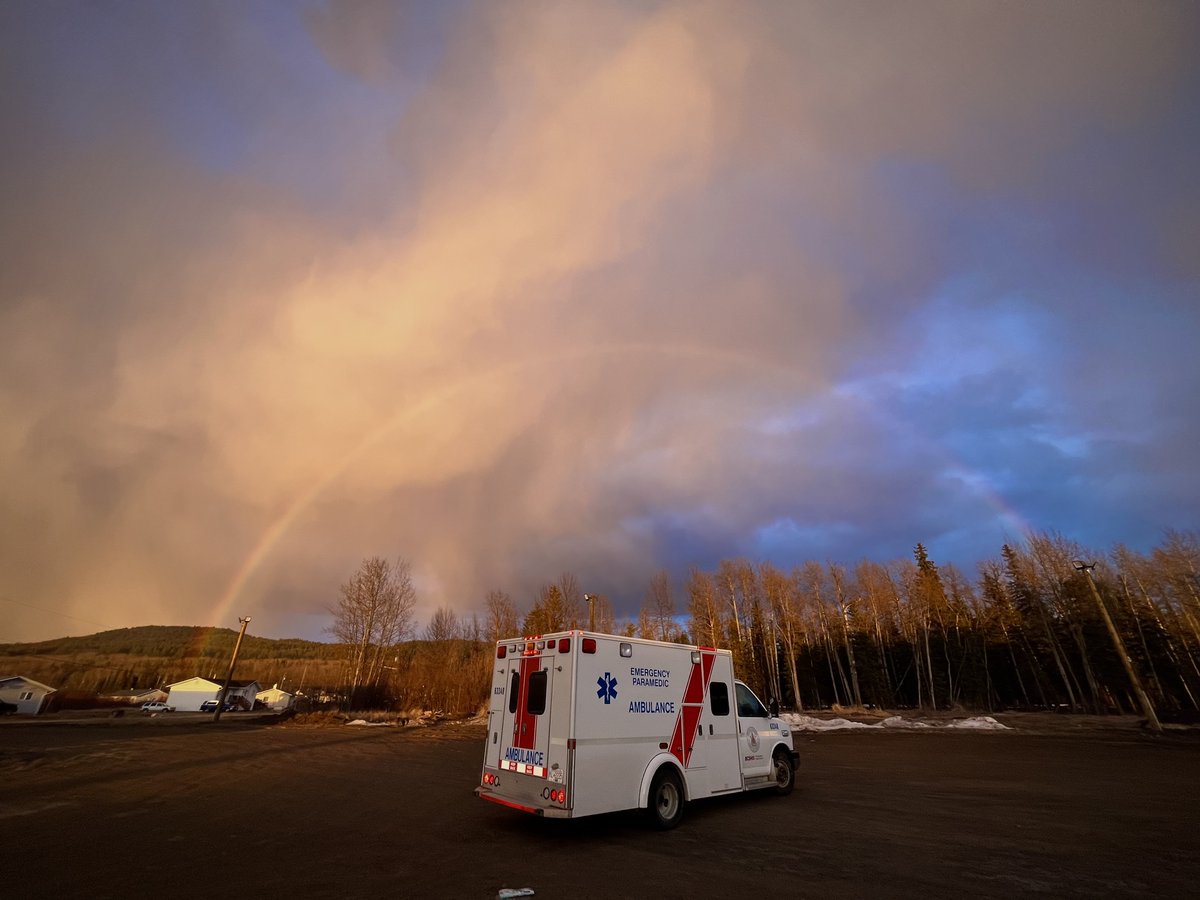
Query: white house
column 27, row 695
column 145, row 696
column 275, row 698
column 136, row 696
column 186, row 696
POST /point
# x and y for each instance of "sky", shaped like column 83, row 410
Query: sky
column 515, row 289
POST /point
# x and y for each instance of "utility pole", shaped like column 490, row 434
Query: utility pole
column 1143, row 699
column 229, row 675
column 591, row 602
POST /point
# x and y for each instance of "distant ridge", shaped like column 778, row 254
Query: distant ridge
column 179, row 641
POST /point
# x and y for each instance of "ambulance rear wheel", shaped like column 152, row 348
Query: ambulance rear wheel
column 785, row 773
column 666, row 799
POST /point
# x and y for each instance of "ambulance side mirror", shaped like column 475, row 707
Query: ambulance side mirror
column 774, row 707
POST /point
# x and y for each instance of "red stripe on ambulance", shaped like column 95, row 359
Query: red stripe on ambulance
column 683, row 738
column 525, row 723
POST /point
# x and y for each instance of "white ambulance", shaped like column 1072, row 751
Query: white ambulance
column 583, row 723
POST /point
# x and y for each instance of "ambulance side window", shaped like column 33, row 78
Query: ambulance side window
column 513, row 690
column 718, row 698
column 536, row 702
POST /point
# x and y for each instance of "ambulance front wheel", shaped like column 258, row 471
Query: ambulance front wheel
column 785, row 773
column 666, row 799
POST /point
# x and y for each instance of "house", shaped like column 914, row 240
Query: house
column 136, row 696
column 275, row 698
column 140, row 697
column 27, row 695
column 187, row 695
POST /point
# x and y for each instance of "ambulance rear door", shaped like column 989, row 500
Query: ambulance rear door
column 528, row 710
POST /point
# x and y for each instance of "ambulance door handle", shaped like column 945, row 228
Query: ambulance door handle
column 710, row 729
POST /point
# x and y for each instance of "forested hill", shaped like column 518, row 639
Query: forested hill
column 180, row 641
column 156, row 655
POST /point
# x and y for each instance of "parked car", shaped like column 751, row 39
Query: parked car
column 211, row 706
column 153, row 706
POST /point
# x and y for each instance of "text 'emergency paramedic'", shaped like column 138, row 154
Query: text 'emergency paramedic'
column 650, row 677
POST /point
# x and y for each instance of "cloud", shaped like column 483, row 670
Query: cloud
column 516, row 291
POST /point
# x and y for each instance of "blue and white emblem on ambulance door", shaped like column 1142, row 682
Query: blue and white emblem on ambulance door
column 608, row 688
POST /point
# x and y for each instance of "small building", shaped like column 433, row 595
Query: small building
column 27, row 695
column 136, row 696
column 187, row 695
column 140, row 697
column 274, row 698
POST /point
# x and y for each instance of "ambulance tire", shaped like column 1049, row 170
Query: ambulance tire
column 665, row 804
column 785, row 773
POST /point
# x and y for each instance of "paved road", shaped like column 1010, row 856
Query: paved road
column 244, row 809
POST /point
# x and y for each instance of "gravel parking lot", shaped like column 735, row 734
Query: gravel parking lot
column 184, row 808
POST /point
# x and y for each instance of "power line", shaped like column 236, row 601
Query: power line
column 56, row 612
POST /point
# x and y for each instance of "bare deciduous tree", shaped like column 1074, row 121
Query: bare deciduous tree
column 705, row 624
column 662, row 605
column 443, row 626
column 646, row 625
column 573, row 613
column 372, row 615
column 502, row 621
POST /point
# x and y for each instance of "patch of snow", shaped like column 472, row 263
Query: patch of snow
column 370, row 724
column 810, row 723
column 984, row 723
column 901, row 722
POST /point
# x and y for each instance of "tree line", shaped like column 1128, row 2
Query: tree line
column 1025, row 633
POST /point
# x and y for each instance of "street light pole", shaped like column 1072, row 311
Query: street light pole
column 229, row 675
column 1143, row 698
column 591, row 602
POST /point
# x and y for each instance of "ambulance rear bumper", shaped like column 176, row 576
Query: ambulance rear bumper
column 549, row 812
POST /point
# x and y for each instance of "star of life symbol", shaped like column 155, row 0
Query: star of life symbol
column 608, row 688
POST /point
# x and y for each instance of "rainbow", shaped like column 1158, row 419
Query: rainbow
column 275, row 532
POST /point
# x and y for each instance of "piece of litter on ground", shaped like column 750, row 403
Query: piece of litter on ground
column 505, row 893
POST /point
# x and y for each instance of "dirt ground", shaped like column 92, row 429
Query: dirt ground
column 179, row 807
